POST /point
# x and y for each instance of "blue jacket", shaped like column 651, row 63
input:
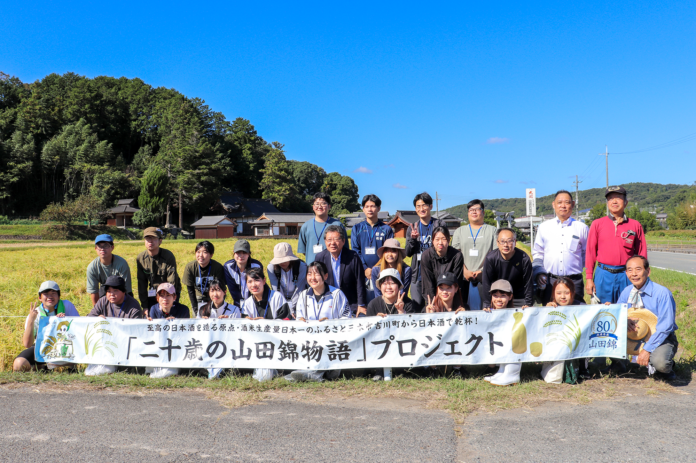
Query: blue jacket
column 351, row 275
column 236, row 284
column 659, row 300
column 363, row 236
column 178, row 311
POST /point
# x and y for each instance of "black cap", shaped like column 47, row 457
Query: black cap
column 615, row 189
column 447, row 279
column 115, row 281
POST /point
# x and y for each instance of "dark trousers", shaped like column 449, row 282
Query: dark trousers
column 547, row 294
column 417, row 300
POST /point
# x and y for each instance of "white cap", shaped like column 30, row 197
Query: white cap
column 49, row 285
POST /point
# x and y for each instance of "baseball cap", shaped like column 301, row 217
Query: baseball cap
column 389, row 272
column 501, row 285
column 242, row 245
column 168, row 287
column 103, row 238
column 115, row 281
column 152, row 231
column 48, row 286
column 447, row 279
column 615, row 189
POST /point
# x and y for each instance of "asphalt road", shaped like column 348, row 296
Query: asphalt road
column 91, row 426
column 176, row 427
column 673, row 261
column 638, row 428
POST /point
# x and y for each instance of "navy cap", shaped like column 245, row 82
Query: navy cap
column 615, row 189
column 115, row 281
column 102, row 238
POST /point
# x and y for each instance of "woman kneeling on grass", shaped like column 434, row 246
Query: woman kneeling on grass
column 319, row 302
column 168, row 308
column 563, row 294
column 217, row 308
column 501, row 298
column 447, row 299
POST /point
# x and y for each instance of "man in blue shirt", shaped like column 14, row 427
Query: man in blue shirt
column 660, row 348
column 311, row 239
column 368, row 236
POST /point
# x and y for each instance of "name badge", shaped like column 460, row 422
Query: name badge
column 473, row 252
column 418, row 256
column 317, row 248
column 151, row 293
column 370, row 250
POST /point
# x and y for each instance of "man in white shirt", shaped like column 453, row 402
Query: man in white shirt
column 559, row 249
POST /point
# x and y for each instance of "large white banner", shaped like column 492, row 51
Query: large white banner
column 474, row 337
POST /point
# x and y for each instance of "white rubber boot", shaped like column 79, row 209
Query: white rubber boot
column 510, row 376
column 501, row 369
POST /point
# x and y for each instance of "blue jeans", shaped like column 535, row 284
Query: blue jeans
column 608, row 286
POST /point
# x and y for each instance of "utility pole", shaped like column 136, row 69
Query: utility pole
column 437, row 204
column 606, row 153
column 577, row 201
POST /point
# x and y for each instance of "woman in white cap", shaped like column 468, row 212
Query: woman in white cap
column 502, row 298
column 287, row 274
column 51, row 306
column 218, row 307
column 391, row 255
column 392, row 301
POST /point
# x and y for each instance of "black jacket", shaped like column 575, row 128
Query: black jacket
column 517, row 271
column 414, row 246
column 352, row 276
column 433, row 266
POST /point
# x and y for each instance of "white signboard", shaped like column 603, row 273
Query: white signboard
column 531, row 202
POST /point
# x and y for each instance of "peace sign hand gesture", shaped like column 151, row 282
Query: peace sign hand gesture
column 430, row 308
column 33, row 311
column 399, row 305
column 414, row 231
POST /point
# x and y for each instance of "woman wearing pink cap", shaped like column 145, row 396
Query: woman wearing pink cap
column 392, row 255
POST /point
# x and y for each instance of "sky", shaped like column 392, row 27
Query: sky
column 469, row 99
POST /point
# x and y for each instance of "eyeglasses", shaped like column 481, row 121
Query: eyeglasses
column 422, row 206
column 104, row 245
column 333, row 240
column 507, row 242
column 476, row 210
column 321, row 205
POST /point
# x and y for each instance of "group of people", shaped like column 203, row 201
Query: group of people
column 478, row 268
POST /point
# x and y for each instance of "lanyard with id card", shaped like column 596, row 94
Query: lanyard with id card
column 474, row 252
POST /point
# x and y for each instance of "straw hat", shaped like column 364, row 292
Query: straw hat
column 646, row 326
column 391, row 243
column 282, row 252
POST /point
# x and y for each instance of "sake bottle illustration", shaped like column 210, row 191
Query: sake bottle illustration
column 519, row 335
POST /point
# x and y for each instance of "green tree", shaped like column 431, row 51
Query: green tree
column 90, row 209
column 65, row 214
column 154, row 193
column 646, row 219
column 597, row 212
column 308, row 179
column 277, row 183
column 16, row 161
column 343, row 192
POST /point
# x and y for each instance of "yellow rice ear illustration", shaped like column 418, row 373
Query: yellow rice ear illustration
column 536, row 348
column 519, row 335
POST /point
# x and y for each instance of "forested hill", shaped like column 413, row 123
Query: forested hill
column 67, row 136
column 642, row 195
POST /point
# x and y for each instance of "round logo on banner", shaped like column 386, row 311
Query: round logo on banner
column 604, row 325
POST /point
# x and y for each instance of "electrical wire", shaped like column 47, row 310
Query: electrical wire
column 668, row 144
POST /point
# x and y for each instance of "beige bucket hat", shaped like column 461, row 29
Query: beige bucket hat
column 282, row 252
column 391, row 243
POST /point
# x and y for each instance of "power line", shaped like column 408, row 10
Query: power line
column 668, row 144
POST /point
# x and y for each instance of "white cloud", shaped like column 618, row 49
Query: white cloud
column 362, row 170
column 500, row 181
column 400, row 186
column 497, row 140
column 389, row 166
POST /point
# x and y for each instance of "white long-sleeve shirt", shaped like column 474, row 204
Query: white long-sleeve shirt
column 559, row 247
column 332, row 304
